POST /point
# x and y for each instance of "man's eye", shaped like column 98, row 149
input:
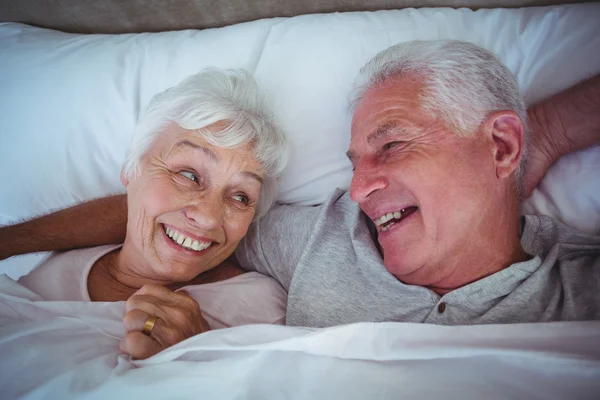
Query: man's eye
column 190, row 175
column 241, row 198
column 389, row 145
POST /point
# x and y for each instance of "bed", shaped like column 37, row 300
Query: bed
column 68, row 104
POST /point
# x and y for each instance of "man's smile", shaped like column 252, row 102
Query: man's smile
column 386, row 221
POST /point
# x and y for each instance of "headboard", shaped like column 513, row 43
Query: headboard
column 118, row 16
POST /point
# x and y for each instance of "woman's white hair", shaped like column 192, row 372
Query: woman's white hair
column 464, row 84
column 229, row 97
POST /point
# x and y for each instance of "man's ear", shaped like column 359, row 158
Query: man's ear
column 506, row 133
column 124, row 179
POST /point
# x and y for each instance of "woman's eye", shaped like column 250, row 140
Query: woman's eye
column 190, row 175
column 241, row 198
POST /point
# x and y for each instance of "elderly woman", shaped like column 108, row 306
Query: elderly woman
column 203, row 166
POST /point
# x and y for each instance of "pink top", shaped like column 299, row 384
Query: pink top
column 251, row 298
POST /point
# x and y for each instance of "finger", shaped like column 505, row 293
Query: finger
column 166, row 335
column 179, row 314
column 162, row 332
column 150, row 304
column 181, row 298
column 139, row 346
column 135, row 320
column 160, row 292
column 176, row 306
column 169, row 335
column 161, row 297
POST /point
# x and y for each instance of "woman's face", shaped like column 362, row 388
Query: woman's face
column 190, row 206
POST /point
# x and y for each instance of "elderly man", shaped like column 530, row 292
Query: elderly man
column 429, row 231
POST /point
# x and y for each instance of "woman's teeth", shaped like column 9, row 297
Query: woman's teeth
column 186, row 242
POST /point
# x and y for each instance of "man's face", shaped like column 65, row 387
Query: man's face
column 426, row 189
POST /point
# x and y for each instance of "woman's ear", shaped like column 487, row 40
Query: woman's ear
column 124, row 179
column 506, row 133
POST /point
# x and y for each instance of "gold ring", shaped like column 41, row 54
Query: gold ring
column 149, row 325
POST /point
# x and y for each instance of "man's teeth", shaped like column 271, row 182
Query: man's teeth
column 185, row 241
column 388, row 217
column 388, row 226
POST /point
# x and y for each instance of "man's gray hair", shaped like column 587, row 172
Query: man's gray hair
column 230, row 97
column 464, row 84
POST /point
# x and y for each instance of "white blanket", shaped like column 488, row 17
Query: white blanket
column 62, row 350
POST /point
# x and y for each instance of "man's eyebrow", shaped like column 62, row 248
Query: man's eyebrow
column 208, row 152
column 252, row 175
column 379, row 133
column 383, row 131
column 351, row 155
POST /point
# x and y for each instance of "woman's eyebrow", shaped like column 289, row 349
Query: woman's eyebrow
column 252, row 175
column 208, row 152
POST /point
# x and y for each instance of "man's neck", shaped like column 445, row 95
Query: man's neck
column 470, row 272
column 494, row 244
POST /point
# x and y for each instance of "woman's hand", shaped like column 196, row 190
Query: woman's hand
column 178, row 316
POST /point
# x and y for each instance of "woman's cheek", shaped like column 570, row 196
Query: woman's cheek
column 237, row 226
column 159, row 198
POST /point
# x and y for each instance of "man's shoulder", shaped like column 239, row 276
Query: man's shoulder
column 336, row 207
column 276, row 244
column 541, row 233
column 337, row 198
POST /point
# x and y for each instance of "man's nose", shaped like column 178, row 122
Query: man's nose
column 207, row 214
column 366, row 180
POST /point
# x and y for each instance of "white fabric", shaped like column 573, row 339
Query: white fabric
column 69, row 102
column 64, row 350
column 250, row 298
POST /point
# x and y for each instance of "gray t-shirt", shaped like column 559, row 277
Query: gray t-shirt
column 327, row 260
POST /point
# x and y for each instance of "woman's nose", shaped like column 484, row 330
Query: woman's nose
column 206, row 215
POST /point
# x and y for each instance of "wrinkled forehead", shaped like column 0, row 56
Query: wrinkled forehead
column 176, row 140
column 383, row 103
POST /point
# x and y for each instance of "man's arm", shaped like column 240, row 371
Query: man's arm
column 566, row 122
column 94, row 223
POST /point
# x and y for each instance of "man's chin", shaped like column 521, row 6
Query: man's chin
column 401, row 267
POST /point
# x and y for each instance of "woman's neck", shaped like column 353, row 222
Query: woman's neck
column 111, row 279
column 103, row 285
column 114, row 278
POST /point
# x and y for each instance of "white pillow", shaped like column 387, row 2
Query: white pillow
column 308, row 65
column 69, row 102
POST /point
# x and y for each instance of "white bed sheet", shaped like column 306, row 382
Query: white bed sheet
column 56, row 148
column 63, row 350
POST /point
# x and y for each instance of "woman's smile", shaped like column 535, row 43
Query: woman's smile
column 186, row 240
